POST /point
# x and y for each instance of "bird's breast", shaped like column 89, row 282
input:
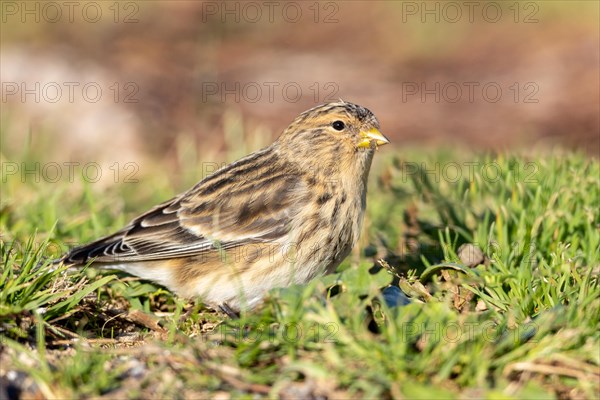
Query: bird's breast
column 329, row 231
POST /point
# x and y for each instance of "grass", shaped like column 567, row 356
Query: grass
column 522, row 321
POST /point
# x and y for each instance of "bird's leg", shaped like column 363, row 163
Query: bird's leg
column 229, row 311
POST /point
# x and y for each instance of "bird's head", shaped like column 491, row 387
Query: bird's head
column 338, row 126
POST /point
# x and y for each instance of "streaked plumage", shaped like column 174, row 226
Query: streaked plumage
column 279, row 216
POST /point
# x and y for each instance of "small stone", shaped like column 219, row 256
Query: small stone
column 394, row 297
column 471, row 255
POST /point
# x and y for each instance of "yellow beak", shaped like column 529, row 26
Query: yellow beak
column 370, row 136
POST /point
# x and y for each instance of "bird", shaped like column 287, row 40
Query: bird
column 280, row 216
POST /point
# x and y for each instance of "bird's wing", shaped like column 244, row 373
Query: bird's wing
column 217, row 214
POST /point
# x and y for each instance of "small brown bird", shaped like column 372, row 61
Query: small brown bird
column 280, row 216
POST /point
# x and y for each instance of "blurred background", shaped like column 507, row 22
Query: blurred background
column 141, row 82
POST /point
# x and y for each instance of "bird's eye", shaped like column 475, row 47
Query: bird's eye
column 338, row 125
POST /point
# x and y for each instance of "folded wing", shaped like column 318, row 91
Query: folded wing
column 226, row 210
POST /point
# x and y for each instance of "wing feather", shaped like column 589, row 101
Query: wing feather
column 238, row 208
